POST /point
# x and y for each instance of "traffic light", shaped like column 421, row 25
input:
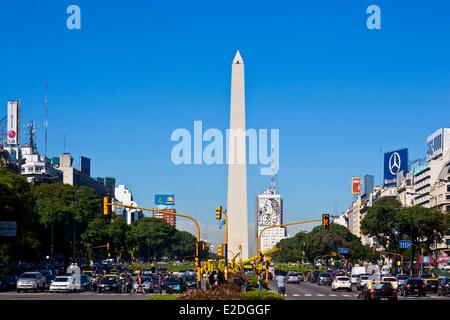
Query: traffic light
column 107, row 206
column 219, row 213
column 220, row 250
column 326, row 221
column 107, row 246
column 200, row 248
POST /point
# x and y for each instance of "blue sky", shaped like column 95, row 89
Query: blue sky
column 137, row 70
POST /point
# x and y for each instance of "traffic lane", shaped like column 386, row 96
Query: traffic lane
column 12, row 295
column 314, row 291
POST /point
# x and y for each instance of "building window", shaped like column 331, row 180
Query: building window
column 448, row 197
column 447, row 208
column 448, row 188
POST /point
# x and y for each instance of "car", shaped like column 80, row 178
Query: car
column 431, row 284
column 314, row 276
column 401, row 279
column 293, row 277
column 378, row 290
column 443, row 288
column 356, row 271
column 110, row 282
column 390, row 279
column 85, row 283
column 324, row 279
column 354, row 278
column 157, row 283
column 191, row 282
column 341, row 282
column 362, row 280
column 31, row 281
column 147, row 283
column 413, row 286
column 63, row 284
column 175, row 285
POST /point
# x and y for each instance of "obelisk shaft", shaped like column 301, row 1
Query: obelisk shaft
column 237, row 170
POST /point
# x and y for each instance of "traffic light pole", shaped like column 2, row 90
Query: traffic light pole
column 197, row 229
column 281, row 225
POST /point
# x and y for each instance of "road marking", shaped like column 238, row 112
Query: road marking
column 295, row 295
column 308, row 295
column 346, row 295
column 333, row 295
column 320, row 295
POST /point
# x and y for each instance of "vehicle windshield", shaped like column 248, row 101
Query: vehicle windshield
column 343, row 278
column 402, row 276
column 108, row 280
column 293, row 274
column 172, row 281
column 365, row 277
column 61, row 279
column 389, row 279
column 190, row 278
column 382, row 285
column 326, row 275
column 415, row 282
column 146, row 279
column 28, row 276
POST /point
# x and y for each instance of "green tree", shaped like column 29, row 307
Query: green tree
column 151, row 237
column 17, row 204
column 382, row 223
column 291, row 248
column 117, row 232
column 423, row 226
column 183, row 245
column 96, row 234
column 67, row 210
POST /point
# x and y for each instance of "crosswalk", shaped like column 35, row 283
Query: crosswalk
column 319, row 295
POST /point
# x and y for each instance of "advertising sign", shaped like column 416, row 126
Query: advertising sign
column 437, row 143
column 13, row 123
column 8, row 228
column 356, row 185
column 165, row 199
column 394, row 162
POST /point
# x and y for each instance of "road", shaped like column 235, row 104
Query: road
column 311, row 291
column 90, row 295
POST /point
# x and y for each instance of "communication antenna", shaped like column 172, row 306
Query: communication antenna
column 46, row 114
column 64, row 138
column 273, row 176
column 31, row 130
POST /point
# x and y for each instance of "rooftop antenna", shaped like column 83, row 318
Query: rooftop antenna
column 64, row 146
column 273, row 176
column 46, row 114
column 31, row 130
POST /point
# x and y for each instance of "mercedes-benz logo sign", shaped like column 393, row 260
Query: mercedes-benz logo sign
column 394, row 163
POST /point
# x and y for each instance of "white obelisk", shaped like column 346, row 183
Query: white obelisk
column 237, row 167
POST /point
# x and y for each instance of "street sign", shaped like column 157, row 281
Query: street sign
column 343, row 250
column 425, row 259
column 8, row 228
column 405, row 244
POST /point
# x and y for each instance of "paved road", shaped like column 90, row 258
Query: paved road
column 312, row 291
column 90, row 295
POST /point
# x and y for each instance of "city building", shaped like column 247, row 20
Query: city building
column 269, row 212
column 168, row 218
column 342, row 219
column 124, row 196
column 76, row 177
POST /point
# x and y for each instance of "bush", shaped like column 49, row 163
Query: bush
column 263, row 295
column 225, row 292
column 162, row 297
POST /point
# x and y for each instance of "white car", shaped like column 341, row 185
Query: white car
column 354, row 278
column 63, row 284
column 341, row 282
column 393, row 280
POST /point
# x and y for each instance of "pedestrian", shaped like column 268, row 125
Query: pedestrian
column 281, row 283
column 260, row 282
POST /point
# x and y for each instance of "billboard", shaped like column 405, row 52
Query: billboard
column 356, row 185
column 13, row 123
column 269, row 210
column 437, row 143
column 8, row 228
column 394, row 162
column 165, row 199
column 368, row 184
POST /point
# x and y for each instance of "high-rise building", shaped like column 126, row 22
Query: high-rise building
column 269, row 212
column 124, row 196
column 237, row 163
column 168, row 218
